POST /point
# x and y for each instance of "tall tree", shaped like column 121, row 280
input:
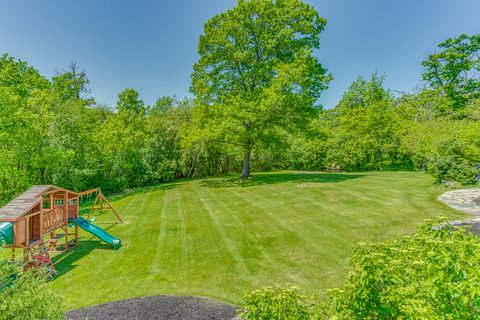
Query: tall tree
column 455, row 70
column 363, row 131
column 23, row 114
column 130, row 103
column 257, row 72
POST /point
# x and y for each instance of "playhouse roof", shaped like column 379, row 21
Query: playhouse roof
column 25, row 202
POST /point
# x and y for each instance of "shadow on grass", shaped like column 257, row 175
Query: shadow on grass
column 273, row 178
column 65, row 262
column 86, row 203
column 128, row 193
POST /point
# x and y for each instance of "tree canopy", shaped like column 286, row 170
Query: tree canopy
column 455, row 70
column 256, row 87
column 257, row 72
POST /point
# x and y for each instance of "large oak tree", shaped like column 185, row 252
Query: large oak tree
column 257, row 73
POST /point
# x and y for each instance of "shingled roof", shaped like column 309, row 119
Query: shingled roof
column 23, row 203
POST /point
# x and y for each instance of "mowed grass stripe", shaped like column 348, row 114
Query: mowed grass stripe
column 302, row 211
column 284, row 241
column 242, row 229
column 305, row 252
column 185, row 251
column 307, row 208
column 160, row 242
column 230, row 245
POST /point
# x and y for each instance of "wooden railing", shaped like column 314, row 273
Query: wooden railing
column 52, row 220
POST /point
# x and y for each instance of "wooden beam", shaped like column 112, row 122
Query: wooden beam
column 93, row 207
column 58, row 190
column 108, row 203
column 84, row 193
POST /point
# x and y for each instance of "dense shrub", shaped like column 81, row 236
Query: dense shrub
column 457, row 170
column 278, row 303
column 452, row 164
column 26, row 296
column 433, row 274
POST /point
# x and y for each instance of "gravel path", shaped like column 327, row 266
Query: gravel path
column 157, row 308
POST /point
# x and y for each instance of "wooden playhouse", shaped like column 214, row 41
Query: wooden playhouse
column 45, row 218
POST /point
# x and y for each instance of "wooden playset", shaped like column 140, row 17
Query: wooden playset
column 38, row 219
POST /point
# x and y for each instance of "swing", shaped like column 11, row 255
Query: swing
column 99, row 198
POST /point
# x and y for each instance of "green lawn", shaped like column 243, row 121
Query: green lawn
column 219, row 239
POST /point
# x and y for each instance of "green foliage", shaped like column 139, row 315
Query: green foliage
column 455, row 70
column 257, row 82
column 28, row 297
column 130, row 104
column 278, row 303
column 452, row 164
column 52, row 132
column 257, row 74
column 363, row 132
column 432, row 274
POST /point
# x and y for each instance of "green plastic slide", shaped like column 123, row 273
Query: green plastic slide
column 97, row 231
column 6, row 233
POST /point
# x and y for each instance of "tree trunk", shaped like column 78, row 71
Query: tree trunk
column 246, row 165
column 192, row 166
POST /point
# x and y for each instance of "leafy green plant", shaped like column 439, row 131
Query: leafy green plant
column 452, row 165
column 26, row 296
column 278, row 303
column 432, row 274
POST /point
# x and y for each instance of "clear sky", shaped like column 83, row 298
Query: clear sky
column 151, row 45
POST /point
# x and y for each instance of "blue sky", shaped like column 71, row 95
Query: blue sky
column 151, row 45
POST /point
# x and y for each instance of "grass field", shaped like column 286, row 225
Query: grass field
column 219, row 239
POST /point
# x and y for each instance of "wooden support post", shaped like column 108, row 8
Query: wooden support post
column 26, row 258
column 65, row 217
column 65, row 229
column 93, row 207
column 42, row 226
column 27, row 231
column 65, row 206
column 13, row 254
column 108, row 203
column 101, row 201
column 77, row 207
column 15, row 242
column 76, row 235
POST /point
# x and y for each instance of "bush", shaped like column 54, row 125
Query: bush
column 454, row 170
column 28, row 297
column 433, row 274
column 278, row 303
column 452, row 164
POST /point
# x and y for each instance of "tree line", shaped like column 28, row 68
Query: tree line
column 256, row 87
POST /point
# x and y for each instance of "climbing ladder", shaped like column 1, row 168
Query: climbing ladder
column 41, row 259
